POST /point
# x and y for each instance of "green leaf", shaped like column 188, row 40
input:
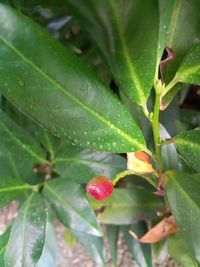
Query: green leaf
column 11, row 189
column 82, row 165
column 48, row 141
column 49, row 253
column 126, row 206
column 160, row 252
column 93, row 245
column 3, row 243
column 70, row 239
column 138, row 115
column 174, row 14
column 68, row 159
column 184, row 200
column 180, row 251
column 69, row 201
column 188, row 71
column 169, row 96
column 170, row 159
column 113, row 234
column 190, row 118
column 165, row 13
column 188, row 144
column 52, row 86
column 116, row 27
column 19, row 153
column 49, row 3
column 28, row 234
column 140, row 252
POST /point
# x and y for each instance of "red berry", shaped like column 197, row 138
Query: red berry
column 99, row 187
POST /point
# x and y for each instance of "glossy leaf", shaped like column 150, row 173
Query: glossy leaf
column 190, row 118
column 174, row 14
column 188, row 71
column 93, row 245
column 184, row 200
column 126, row 206
column 165, row 12
column 188, row 144
column 49, row 253
column 67, row 159
column 168, row 97
column 18, row 151
column 180, row 251
column 3, row 243
column 170, row 159
column 52, row 86
column 71, row 206
column 138, row 115
column 81, row 165
column 11, row 189
column 113, row 234
column 48, row 141
column 140, row 252
column 116, row 27
column 27, row 236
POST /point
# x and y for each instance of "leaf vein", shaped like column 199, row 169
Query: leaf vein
column 74, row 99
column 22, row 145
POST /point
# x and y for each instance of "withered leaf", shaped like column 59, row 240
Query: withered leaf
column 161, row 230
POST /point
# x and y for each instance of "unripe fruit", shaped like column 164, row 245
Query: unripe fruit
column 99, row 187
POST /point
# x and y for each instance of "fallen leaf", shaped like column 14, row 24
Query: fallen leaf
column 161, row 230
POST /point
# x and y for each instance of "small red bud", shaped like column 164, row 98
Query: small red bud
column 99, row 187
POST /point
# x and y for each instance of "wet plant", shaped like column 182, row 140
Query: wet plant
column 97, row 127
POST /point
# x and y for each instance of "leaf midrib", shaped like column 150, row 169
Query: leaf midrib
column 130, row 66
column 184, row 194
column 3, row 248
column 174, row 21
column 24, row 224
column 67, row 205
column 76, row 100
column 15, row 188
column 22, row 145
column 186, row 72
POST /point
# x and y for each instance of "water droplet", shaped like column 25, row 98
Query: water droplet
column 114, row 144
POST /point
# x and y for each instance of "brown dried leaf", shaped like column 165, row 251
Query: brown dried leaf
column 161, row 230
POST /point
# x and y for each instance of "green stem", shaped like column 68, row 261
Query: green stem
column 155, row 126
column 169, row 86
column 129, row 172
